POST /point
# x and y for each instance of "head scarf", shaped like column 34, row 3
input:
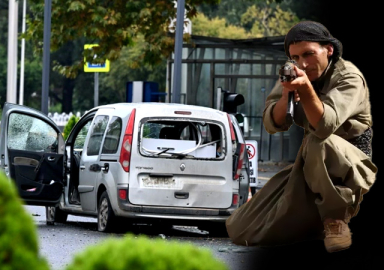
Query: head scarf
column 312, row 31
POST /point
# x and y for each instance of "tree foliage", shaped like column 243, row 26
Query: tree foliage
column 217, row 27
column 3, row 50
column 18, row 236
column 32, row 63
column 229, row 10
column 129, row 68
column 232, row 11
column 69, row 126
column 268, row 19
column 111, row 24
column 3, row 74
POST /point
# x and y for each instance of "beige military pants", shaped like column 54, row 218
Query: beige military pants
column 328, row 179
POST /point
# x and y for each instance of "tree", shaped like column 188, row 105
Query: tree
column 3, row 50
column 129, row 68
column 217, row 27
column 32, row 63
column 265, row 19
column 3, row 74
column 268, row 19
column 229, row 10
column 111, row 24
column 69, row 126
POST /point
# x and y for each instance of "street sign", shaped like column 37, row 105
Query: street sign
column 89, row 67
column 252, row 157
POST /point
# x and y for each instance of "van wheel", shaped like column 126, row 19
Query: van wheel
column 55, row 214
column 59, row 215
column 105, row 216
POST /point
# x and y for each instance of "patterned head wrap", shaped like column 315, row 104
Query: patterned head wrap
column 312, row 31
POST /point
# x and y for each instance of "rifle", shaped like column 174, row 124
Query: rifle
column 287, row 73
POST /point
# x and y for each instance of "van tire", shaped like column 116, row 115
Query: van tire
column 55, row 215
column 59, row 215
column 105, row 216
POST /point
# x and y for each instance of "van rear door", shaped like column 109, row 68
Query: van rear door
column 181, row 162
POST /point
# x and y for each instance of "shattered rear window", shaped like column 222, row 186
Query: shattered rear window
column 182, row 139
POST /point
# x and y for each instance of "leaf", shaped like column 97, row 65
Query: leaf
column 76, row 5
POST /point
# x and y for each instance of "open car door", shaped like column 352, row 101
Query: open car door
column 31, row 149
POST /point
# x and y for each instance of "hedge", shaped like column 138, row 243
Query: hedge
column 19, row 248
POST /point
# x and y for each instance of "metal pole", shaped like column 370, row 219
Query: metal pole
column 96, row 95
column 46, row 56
column 21, row 89
column 178, row 51
column 12, row 52
column 218, row 98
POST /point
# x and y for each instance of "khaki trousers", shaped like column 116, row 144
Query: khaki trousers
column 328, row 179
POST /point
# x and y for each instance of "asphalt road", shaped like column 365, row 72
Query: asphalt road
column 61, row 242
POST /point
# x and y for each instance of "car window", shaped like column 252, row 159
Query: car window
column 195, row 139
column 112, row 138
column 80, row 137
column 98, row 127
column 31, row 134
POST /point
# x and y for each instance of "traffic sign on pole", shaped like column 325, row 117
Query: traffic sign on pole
column 252, row 157
column 90, row 67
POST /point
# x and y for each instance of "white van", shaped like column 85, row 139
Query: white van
column 156, row 161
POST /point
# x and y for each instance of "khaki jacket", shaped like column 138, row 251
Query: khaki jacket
column 345, row 96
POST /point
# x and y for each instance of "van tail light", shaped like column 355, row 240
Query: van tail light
column 233, row 137
column 126, row 148
column 239, row 161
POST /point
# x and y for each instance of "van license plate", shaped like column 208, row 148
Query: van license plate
column 159, row 182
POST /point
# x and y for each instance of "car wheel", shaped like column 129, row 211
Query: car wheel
column 55, row 214
column 59, row 215
column 105, row 216
column 49, row 215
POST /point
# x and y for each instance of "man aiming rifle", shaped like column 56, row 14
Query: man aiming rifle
column 317, row 195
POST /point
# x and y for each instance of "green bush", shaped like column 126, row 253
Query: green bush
column 18, row 235
column 142, row 253
column 70, row 124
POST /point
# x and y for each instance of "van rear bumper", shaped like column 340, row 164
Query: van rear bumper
column 129, row 210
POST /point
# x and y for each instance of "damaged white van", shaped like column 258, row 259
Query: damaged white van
column 137, row 161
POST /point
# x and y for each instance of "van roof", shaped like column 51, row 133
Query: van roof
column 161, row 106
column 152, row 104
